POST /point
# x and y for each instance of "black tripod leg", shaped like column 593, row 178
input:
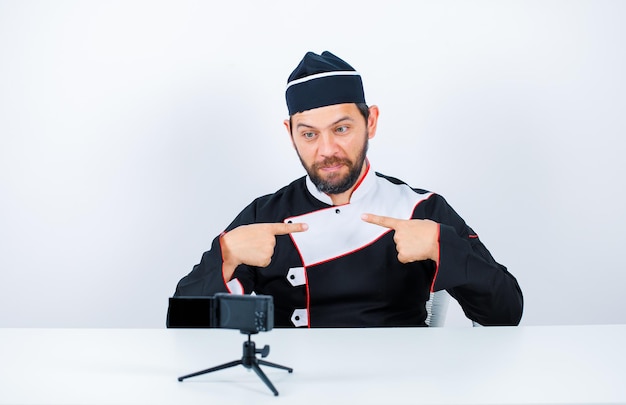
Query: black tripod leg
column 209, row 370
column 263, row 377
column 267, row 363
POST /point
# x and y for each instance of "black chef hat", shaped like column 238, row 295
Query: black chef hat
column 321, row 80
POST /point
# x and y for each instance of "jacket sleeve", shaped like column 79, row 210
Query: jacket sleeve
column 486, row 291
column 206, row 279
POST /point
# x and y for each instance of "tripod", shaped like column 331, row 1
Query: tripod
column 248, row 360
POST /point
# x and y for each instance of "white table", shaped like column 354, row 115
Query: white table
column 506, row 365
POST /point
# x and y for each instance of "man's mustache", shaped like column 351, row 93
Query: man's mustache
column 332, row 161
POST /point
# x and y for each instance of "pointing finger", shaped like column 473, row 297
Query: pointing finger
column 284, row 229
column 380, row 220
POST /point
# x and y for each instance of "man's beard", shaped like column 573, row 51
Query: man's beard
column 335, row 183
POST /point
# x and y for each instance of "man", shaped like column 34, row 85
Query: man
column 345, row 246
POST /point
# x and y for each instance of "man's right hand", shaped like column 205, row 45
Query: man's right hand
column 253, row 244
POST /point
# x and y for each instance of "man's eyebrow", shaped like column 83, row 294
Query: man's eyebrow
column 345, row 118
column 300, row 125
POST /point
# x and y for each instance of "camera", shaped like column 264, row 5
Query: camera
column 248, row 313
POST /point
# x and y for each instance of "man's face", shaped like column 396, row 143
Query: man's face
column 331, row 143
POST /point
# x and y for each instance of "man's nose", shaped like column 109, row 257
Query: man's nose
column 327, row 145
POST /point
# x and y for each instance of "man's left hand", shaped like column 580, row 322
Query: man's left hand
column 416, row 239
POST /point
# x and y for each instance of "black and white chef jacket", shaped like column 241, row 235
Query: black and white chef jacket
column 344, row 272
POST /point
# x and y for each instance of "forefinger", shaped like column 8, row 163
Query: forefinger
column 387, row 222
column 284, row 229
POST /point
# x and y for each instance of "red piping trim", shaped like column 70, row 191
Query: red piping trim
column 330, row 259
column 353, row 250
column 308, row 299
column 367, row 169
column 306, row 282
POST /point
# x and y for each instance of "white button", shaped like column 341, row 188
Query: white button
column 300, row 317
column 296, row 276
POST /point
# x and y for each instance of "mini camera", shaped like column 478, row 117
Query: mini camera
column 248, row 313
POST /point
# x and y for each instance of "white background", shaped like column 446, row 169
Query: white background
column 132, row 133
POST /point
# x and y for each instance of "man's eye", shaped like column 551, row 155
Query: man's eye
column 308, row 135
column 342, row 129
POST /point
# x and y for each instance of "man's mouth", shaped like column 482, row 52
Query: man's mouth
column 332, row 165
column 332, row 168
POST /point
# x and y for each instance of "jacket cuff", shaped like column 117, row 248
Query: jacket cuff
column 453, row 255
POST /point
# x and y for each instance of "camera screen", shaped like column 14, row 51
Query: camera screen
column 246, row 312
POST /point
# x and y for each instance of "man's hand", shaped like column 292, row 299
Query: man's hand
column 416, row 239
column 253, row 244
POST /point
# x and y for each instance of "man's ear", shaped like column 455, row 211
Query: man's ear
column 372, row 121
column 286, row 123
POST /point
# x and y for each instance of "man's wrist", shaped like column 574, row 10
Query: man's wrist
column 436, row 247
column 228, row 264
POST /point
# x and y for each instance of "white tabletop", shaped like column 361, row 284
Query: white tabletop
column 505, row 365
